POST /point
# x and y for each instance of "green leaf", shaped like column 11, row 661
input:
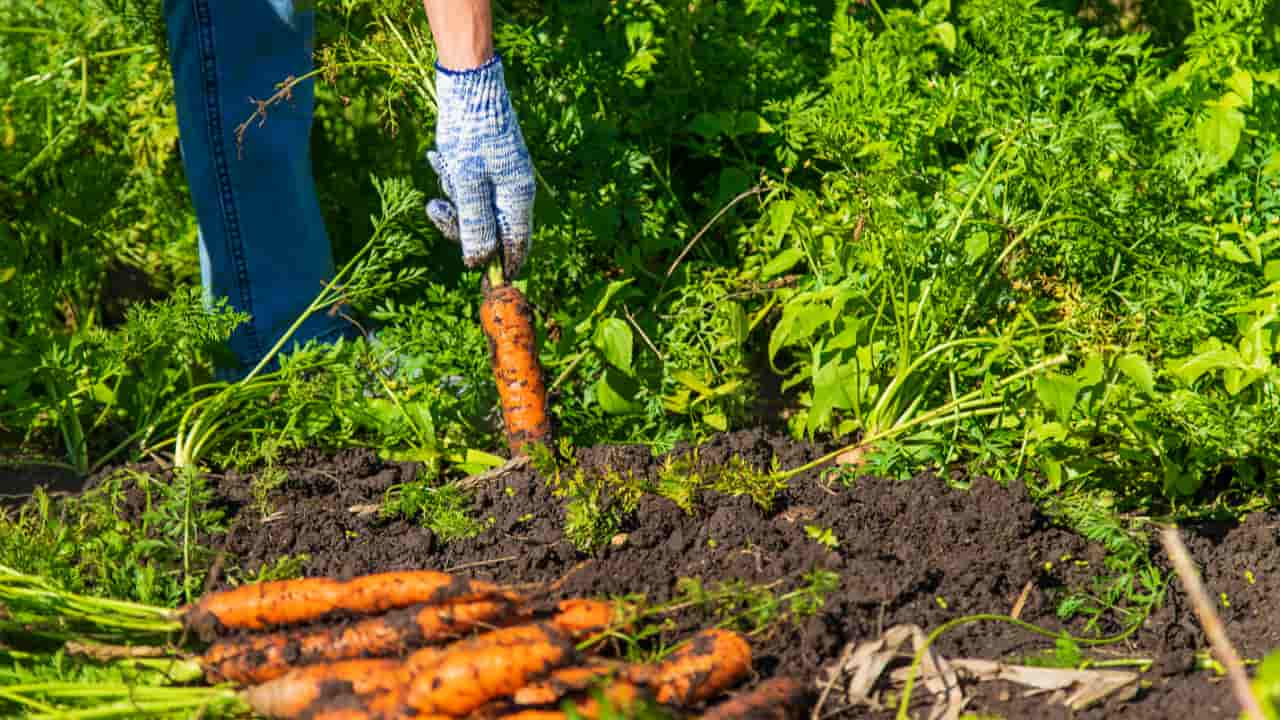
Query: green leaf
column 1091, row 372
column 1232, row 252
column 1269, row 77
column 1216, row 358
column 831, row 385
column 1273, row 164
column 800, row 319
column 1052, row 470
column 419, row 414
column 7, row 273
column 1219, row 133
column 615, row 393
column 976, row 245
column 692, row 381
column 716, row 419
column 1135, row 368
column 615, row 341
column 783, row 262
column 945, row 35
column 782, row 213
column 1178, row 481
column 1058, row 393
column 736, row 319
column 610, row 291
column 1049, row 431
column 750, row 123
column 1241, row 83
column 935, row 9
column 1271, row 271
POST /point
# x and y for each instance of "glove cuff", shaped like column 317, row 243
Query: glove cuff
column 467, row 92
column 495, row 60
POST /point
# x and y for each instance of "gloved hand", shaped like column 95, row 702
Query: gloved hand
column 484, row 168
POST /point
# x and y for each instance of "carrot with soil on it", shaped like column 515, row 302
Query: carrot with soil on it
column 284, row 602
column 713, row 661
column 302, row 689
column 254, row 659
column 472, row 672
column 350, row 708
column 583, row 617
column 618, row 695
column 779, row 698
column 565, row 681
column 507, row 321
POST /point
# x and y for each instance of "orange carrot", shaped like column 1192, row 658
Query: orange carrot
column 363, row 708
column 779, row 698
column 296, row 692
column 258, row 658
column 342, row 714
column 564, row 681
column 507, row 321
column 472, row 672
column 282, row 602
column 617, row 695
column 581, row 617
column 356, row 712
column 712, row 662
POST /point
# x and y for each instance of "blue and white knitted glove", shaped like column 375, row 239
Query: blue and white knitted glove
column 484, row 168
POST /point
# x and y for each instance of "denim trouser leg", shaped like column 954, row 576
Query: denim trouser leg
column 263, row 244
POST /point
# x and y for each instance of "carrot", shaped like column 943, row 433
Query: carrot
column 381, row 706
column 355, row 712
column 709, row 664
column 565, row 681
column 617, row 695
column 472, row 672
column 779, row 698
column 507, row 321
column 581, row 617
column 283, row 602
column 343, row 714
column 296, row 692
column 258, row 658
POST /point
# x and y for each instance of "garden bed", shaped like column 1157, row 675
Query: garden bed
column 916, row 552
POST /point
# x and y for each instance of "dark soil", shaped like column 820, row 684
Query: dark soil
column 920, row 552
column 20, row 478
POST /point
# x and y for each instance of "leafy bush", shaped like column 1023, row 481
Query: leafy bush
column 1019, row 235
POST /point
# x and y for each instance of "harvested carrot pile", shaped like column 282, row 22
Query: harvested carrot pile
column 428, row 645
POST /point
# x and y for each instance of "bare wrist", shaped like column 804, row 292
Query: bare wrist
column 463, row 32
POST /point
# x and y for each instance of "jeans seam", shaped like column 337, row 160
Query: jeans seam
column 234, row 239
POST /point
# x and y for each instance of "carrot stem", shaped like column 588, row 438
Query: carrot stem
column 496, row 278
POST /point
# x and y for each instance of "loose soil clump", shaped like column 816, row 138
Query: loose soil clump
column 916, row 552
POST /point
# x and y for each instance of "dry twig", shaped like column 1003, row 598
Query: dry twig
column 1209, row 620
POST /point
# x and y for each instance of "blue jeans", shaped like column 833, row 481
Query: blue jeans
column 263, row 243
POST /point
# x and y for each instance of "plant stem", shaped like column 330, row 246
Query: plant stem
column 969, row 398
column 496, row 279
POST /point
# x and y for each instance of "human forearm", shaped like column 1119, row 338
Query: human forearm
column 463, row 32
